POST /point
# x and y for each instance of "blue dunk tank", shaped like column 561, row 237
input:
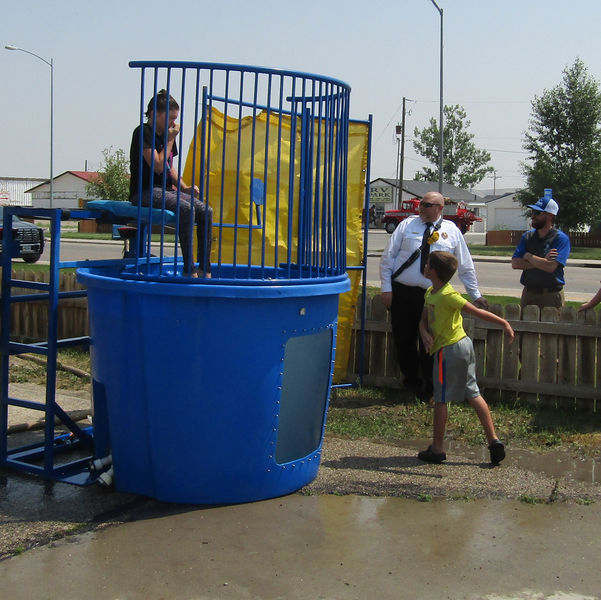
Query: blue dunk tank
column 215, row 390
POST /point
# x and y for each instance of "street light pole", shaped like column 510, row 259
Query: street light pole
column 50, row 63
column 440, row 120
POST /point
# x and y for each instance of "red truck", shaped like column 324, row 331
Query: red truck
column 458, row 212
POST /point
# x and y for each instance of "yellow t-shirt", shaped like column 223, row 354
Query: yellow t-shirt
column 444, row 316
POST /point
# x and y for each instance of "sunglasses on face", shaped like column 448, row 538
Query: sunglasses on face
column 536, row 213
column 428, row 204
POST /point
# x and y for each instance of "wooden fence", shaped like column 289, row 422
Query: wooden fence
column 511, row 237
column 555, row 357
column 29, row 320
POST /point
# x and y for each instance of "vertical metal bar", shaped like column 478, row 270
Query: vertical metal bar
column 365, row 242
column 52, row 337
column 291, row 177
column 195, row 144
column 148, row 229
column 316, row 179
column 223, row 157
column 252, row 174
column 204, row 172
column 207, row 170
column 329, row 159
column 276, row 240
column 302, row 201
column 266, row 175
column 5, row 300
column 307, row 174
column 164, row 178
column 336, row 191
column 182, row 115
column 238, row 152
column 321, row 179
column 139, row 239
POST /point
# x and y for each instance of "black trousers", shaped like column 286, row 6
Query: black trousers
column 405, row 314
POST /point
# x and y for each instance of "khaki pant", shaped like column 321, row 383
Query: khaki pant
column 555, row 299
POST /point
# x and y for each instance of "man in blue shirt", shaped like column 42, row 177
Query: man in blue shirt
column 541, row 255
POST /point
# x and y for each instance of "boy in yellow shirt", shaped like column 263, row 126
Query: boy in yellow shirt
column 441, row 330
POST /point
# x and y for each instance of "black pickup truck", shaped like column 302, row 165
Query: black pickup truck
column 29, row 237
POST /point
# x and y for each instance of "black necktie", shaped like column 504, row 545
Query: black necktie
column 425, row 248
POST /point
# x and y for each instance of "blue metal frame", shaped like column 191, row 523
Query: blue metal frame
column 23, row 458
column 40, row 458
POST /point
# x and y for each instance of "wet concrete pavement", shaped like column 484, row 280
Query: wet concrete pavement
column 326, row 547
column 115, row 545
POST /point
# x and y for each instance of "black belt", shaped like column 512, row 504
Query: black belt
column 536, row 290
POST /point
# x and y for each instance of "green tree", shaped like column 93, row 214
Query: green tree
column 463, row 164
column 112, row 182
column 564, row 146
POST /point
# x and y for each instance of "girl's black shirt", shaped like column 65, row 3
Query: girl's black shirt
column 134, row 162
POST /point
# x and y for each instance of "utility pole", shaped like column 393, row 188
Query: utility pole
column 402, row 155
column 440, row 120
column 400, row 131
column 396, row 204
column 494, row 182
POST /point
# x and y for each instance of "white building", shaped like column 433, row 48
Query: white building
column 504, row 211
column 13, row 190
column 69, row 190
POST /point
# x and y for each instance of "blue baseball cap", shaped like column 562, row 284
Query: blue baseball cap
column 545, row 205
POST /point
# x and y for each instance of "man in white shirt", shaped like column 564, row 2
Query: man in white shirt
column 403, row 284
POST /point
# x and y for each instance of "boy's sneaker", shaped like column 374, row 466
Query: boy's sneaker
column 431, row 457
column 497, row 452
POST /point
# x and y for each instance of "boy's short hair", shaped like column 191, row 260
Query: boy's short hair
column 444, row 263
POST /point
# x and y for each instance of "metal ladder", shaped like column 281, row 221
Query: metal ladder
column 41, row 458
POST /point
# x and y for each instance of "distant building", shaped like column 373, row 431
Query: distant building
column 504, row 211
column 384, row 195
column 69, row 190
column 13, row 190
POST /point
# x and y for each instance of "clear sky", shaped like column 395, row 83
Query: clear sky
column 497, row 56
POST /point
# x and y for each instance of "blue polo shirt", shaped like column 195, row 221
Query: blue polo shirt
column 531, row 242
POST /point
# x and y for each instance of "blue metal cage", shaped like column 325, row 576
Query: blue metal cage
column 275, row 179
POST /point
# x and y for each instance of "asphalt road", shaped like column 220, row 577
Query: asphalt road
column 495, row 275
column 497, row 278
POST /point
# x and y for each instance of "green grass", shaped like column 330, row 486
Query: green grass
column 24, row 371
column 580, row 253
column 75, row 235
column 390, row 416
column 502, row 300
column 19, row 265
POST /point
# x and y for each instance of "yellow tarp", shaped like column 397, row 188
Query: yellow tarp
column 230, row 144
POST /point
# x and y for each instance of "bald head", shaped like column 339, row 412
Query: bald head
column 430, row 207
column 434, row 197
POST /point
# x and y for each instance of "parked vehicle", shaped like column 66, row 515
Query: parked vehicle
column 458, row 212
column 30, row 239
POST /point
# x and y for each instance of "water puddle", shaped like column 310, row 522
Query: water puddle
column 554, row 463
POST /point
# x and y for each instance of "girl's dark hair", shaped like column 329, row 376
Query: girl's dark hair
column 444, row 263
column 162, row 100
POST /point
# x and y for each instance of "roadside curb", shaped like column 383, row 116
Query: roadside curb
column 572, row 262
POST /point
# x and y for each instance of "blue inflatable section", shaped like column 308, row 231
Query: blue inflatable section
column 212, row 393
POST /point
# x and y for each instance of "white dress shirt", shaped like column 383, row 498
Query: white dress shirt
column 407, row 237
